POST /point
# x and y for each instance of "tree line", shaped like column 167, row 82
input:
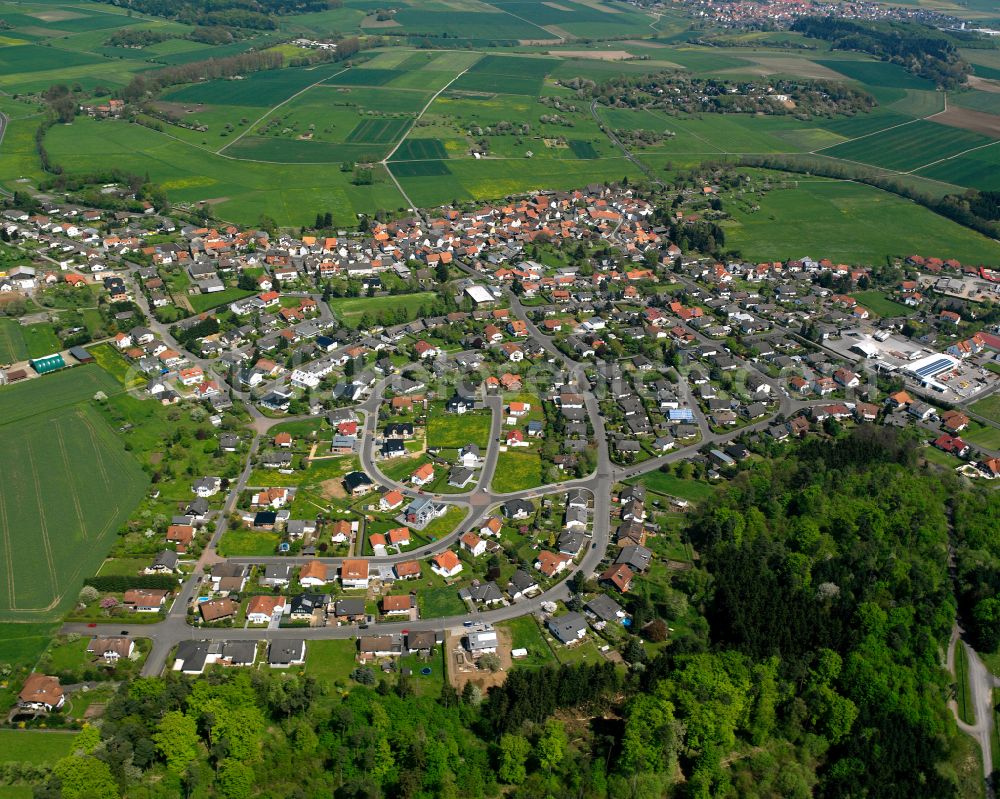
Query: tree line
column 255, row 14
column 918, row 48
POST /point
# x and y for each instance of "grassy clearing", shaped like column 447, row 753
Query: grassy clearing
column 40, row 339
column 35, row 746
column 111, row 361
column 440, row 601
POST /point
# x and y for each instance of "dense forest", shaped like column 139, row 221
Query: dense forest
column 255, row 14
column 815, row 669
column 679, row 93
column 918, row 48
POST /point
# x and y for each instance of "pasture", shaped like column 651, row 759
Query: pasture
column 851, row 223
column 69, row 484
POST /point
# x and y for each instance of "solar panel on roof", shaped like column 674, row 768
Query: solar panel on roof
column 933, row 368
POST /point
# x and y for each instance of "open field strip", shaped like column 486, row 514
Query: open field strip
column 254, row 124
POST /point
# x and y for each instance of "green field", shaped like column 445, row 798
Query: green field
column 989, row 408
column 850, row 223
column 506, row 74
column 260, row 89
column 69, row 484
column 248, row 543
column 12, row 346
column 878, row 302
column 331, row 661
column 877, row 73
column 40, row 339
column 525, row 634
column 350, row 310
column 35, row 746
column 910, row 146
column 983, row 435
column 452, row 430
column 670, row 484
column 517, row 470
column 53, row 392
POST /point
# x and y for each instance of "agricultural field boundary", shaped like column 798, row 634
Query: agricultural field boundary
column 287, row 100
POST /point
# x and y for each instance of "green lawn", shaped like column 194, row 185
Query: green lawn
column 989, row 407
column 850, row 223
column 35, row 746
column 123, row 566
column 879, row 303
column 248, row 543
column 945, row 459
column 444, row 525
column 331, row 661
column 453, row 430
column 517, row 469
column 65, row 655
column 671, row 484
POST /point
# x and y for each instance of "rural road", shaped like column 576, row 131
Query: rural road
column 981, row 685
